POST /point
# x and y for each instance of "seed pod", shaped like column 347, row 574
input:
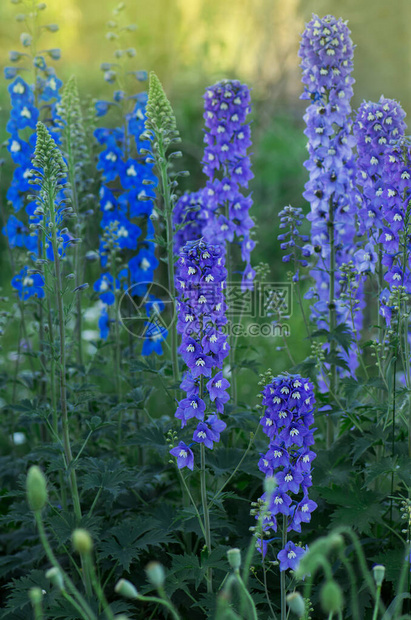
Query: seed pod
column 331, row 597
column 36, row 487
column 155, row 574
column 126, row 588
column 82, row 541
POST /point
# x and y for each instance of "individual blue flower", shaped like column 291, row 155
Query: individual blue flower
column 185, row 456
column 290, row 556
column 28, row 284
column 105, row 287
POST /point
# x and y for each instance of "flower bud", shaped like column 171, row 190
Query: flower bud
column 36, row 487
column 155, row 574
column 25, row 39
column 270, row 484
column 378, row 572
column 234, row 558
column 35, row 595
column 331, row 597
column 56, row 578
column 296, row 603
column 125, row 588
column 82, row 541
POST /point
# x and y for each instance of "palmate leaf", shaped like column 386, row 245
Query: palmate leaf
column 125, row 542
column 109, row 474
column 64, row 522
column 18, row 599
column 358, row 509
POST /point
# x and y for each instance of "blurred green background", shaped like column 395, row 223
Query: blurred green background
column 193, row 43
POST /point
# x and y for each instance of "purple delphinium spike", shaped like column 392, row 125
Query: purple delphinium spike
column 289, row 405
column 200, row 282
column 377, row 125
column 395, row 234
column 327, row 62
column 188, row 219
column 227, row 166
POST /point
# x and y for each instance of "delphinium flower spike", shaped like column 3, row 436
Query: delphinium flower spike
column 127, row 248
column 288, row 417
column 201, row 310
column 26, row 102
column 228, row 168
column 327, row 62
column 50, row 174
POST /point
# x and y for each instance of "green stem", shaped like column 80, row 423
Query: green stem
column 159, row 601
column 200, row 521
column 87, row 613
column 63, row 386
column 88, row 562
column 206, row 514
column 247, row 596
column 377, row 600
column 332, row 316
column 168, row 213
column 282, row 573
column 232, row 339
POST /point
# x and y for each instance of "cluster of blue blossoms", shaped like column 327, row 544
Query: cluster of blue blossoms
column 26, row 101
column 289, row 404
column 126, row 196
column 201, row 315
column 327, row 62
column 220, row 211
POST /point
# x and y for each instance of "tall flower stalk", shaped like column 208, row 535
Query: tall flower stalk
column 289, row 405
column 50, row 175
column 201, row 316
column 327, row 61
column 161, row 130
column 74, row 148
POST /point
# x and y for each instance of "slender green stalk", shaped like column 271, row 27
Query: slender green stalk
column 332, row 316
column 170, row 255
column 63, row 385
column 200, row 521
column 87, row 613
column 247, row 596
column 282, row 573
column 231, row 338
column 267, row 594
column 97, row 587
column 160, row 601
column 206, row 514
column 377, row 600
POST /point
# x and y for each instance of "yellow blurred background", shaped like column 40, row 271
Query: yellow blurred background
column 190, row 43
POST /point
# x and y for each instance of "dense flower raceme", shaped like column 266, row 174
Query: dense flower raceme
column 201, row 314
column 25, row 104
column 327, row 62
column 395, row 231
column 289, row 405
column 188, row 218
column 224, row 216
column 126, row 196
column 377, row 125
